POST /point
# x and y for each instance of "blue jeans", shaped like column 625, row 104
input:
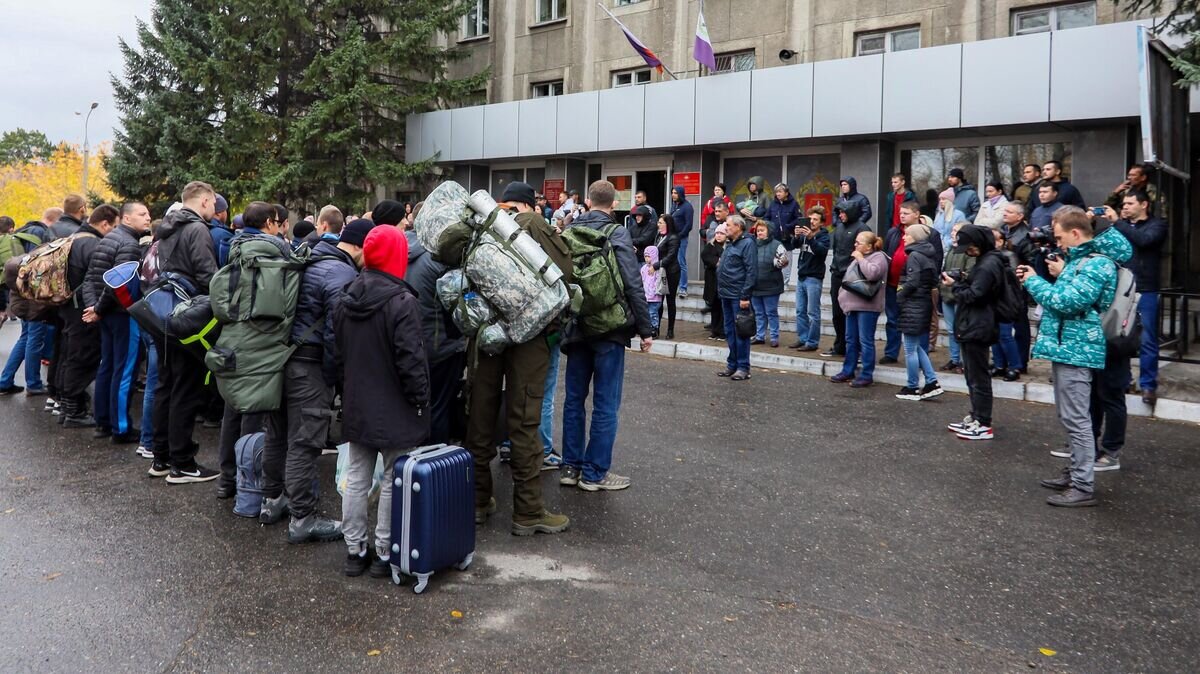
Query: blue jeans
column 891, row 310
column 1148, row 355
column 120, row 338
column 599, row 366
column 916, row 359
column 1005, row 354
column 148, row 396
column 683, row 241
column 739, row 347
column 655, row 312
column 860, row 340
column 766, row 316
column 27, row 349
column 808, row 310
column 546, row 428
column 47, row 341
column 948, row 312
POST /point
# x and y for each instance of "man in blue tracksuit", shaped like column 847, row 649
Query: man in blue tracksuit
column 685, row 217
column 736, row 275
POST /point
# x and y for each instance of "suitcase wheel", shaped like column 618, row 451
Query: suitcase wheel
column 466, row 562
column 422, row 582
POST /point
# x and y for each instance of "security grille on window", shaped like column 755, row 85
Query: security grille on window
column 630, row 78
column 623, row 3
column 1061, row 17
column 475, row 23
column 901, row 39
column 544, row 89
column 735, row 62
column 551, row 10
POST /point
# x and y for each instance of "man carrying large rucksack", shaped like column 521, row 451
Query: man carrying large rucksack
column 28, row 347
column 310, row 376
column 1071, row 336
column 595, row 345
column 185, row 250
column 80, row 352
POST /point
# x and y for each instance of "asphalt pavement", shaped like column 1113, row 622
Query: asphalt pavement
column 779, row 524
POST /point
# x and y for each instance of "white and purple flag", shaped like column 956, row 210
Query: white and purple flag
column 702, row 51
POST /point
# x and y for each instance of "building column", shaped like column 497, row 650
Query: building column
column 871, row 164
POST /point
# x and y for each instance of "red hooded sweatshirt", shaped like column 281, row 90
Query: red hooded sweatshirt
column 385, row 249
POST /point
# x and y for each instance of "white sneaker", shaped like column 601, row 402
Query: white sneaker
column 1061, row 452
column 144, row 452
column 975, row 431
column 960, row 426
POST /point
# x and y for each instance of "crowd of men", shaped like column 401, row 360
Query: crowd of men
column 367, row 300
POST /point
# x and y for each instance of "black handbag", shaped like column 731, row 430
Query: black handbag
column 856, row 283
column 744, row 323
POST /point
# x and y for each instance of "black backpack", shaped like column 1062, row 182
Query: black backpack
column 1010, row 302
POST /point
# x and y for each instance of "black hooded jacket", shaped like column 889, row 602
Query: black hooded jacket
column 320, row 291
column 976, row 294
column 845, row 234
column 381, row 352
column 443, row 339
column 186, row 248
column 864, row 204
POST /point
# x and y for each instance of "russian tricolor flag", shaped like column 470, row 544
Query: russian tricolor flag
column 647, row 55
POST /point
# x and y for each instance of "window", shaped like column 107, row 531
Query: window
column 630, row 78
column 735, row 62
column 551, row 10
column 927, row 169
column 1004, row 162
column 1060, row 17
column 475, row 23
column 544, row 89
column 900, row 39
column 624, row 3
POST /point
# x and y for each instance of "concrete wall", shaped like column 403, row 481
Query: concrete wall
column 587, row 47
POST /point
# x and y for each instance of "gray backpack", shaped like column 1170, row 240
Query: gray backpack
column 1121, row 323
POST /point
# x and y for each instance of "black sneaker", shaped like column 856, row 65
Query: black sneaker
column 568, row 476
column 380, row 568
column 1072, row 498
column 314, row 529
column 908, row 393
column 102, row 432
column 932, row 390
column 158, row 469
column 128, row 438
column 9, row 390
column 80, row 421
column 197, row 473
column 1060, row 483
column 888, row 360
column 356, row 565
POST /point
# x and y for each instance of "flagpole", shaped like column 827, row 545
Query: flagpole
column 618, row 22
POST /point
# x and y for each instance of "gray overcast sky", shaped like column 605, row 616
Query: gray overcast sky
column 57, row 56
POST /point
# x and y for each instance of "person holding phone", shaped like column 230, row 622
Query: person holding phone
column 870, row 264
column 810, row 240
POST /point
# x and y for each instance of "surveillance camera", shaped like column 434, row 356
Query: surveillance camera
column 786, row 54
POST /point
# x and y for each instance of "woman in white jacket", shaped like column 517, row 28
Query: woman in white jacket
column 991, row 211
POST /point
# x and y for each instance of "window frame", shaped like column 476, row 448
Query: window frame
column 555, row 15
column 1051, row 17
column 482, row 18
column 627, row 3
column 533, row 88
column 732, row 56
column 633, row 77
column 889, row 39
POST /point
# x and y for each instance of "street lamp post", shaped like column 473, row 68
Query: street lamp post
column 86, row 119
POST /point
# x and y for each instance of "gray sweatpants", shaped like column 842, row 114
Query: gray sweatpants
column 360, row 468
column 1073, row 398
column 303, row 420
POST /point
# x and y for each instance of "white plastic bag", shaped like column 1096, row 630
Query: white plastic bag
column 341, row 474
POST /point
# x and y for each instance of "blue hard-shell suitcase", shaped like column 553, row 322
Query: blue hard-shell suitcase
column 433, row 512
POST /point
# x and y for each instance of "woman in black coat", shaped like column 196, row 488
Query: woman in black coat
column 710, row 257
column 921, row 276
column 667, row 242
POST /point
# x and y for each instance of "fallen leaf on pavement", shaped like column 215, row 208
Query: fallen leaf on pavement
column 1047, row 651
column 456, row 614
column 730, row 619
column 373, row 652
column 52, row 576
column 6, row 512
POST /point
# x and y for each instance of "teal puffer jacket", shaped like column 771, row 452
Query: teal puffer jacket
column 1070, row 331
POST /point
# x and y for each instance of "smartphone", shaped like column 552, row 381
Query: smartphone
column 1098, row 210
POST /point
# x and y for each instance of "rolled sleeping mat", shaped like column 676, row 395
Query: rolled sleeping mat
column 125, row 283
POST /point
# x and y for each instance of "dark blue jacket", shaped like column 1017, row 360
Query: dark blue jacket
column 320, row 293
column 966, row 199
column 1067, row 194
column 810, row 262
column 864, row 204
column 770, row 278
column 683, row 213
column 442, row 337
column 1147, row 238
column 738, row 270
column 221, row 236
column 783, row 216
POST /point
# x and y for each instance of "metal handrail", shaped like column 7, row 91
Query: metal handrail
column 1178, row 309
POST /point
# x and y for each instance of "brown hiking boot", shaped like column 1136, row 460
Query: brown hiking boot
column 546, row 523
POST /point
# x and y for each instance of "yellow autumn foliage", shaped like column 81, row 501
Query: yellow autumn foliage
column 26, row 190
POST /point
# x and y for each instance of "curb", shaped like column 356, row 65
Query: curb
column 1032, row 392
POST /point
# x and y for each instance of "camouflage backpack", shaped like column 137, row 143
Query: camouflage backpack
column 43, row 273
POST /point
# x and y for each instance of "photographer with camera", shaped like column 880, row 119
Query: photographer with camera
column 1072, row 339
column 975, row 325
